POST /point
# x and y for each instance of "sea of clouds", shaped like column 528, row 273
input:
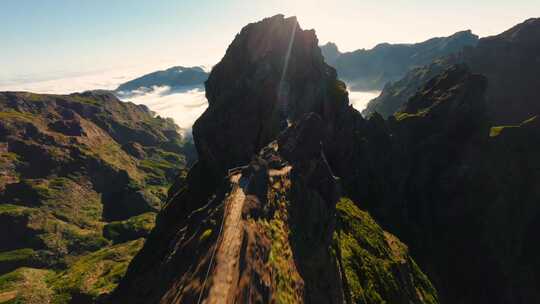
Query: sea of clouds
column 182, row 105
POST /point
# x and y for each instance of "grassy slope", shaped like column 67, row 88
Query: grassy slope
column 57, row 217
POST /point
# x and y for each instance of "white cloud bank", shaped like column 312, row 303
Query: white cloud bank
column 359, row 100
column 184, row 106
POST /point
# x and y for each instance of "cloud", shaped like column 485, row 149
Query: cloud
column 65, row 83
column 359, row 100
column 183, row 106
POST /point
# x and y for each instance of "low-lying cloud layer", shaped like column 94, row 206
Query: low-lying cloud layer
column 182, row 105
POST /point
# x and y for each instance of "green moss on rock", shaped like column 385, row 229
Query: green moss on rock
column 376, row 266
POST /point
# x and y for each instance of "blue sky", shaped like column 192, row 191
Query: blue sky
column 55, row 38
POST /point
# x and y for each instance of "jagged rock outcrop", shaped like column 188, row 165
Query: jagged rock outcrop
column 255, row 220
column 279, row 74
column 330, row 52
column 437, row 174
column 366, row 70
column 69, row 167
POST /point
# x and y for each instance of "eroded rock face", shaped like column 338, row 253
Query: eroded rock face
column 272, row 74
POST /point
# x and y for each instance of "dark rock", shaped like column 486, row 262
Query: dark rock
column 134, row 149
column 279, row 76
column 303, row 140
column 68, row 127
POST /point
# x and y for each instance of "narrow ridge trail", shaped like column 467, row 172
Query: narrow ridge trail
column 227, row 256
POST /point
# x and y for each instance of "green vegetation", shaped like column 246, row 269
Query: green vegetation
column 107, row 150
column 402, row 115
column 372, row 259
column 62, row 213
column 94, row 274
column 25, row 286
column 16, row 115
column 13, row 210
column 130, row 229
column 85, row 100
column 17, row 256
column 496, row 131
column 205, row 235
column 284, row 274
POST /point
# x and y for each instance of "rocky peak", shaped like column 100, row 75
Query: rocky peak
column 272, row 73
column 330, row 52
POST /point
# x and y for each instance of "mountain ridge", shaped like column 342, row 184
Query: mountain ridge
column 371, row 69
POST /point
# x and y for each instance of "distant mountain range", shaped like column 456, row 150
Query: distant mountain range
column 510, row 78
column 175, row 77
column 366, row 70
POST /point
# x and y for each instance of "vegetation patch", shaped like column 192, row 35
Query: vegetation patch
column 19, row 255
column 94, row 274
column 130, row 229
column 497, row 130
column 285, row 277
column 17, row 115
column 375, row 263
column 399, row 116
column 25, row 286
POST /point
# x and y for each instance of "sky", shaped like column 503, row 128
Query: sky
column 43, row 41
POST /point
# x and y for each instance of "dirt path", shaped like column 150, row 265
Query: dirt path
column 226, row 270
column 227, row 256
column 279, row 172
column 6, row 296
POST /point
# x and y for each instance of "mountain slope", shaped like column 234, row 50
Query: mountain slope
column 176, row 78
column 256, row 218
column 77, row 173
column 508, row 60
column 395, row 94
column 438, row 175
column 372, row 69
